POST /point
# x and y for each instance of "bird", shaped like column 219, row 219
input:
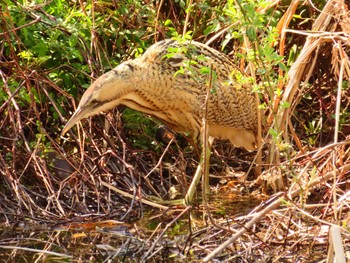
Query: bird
column 170, row 82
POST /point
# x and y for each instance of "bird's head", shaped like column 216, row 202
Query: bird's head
column 104, row 94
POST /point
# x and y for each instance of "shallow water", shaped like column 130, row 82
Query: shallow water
column 101, row 241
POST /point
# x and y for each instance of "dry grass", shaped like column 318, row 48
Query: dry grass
column 98, row 175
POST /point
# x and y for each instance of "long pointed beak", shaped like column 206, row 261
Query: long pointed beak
column 79, row 114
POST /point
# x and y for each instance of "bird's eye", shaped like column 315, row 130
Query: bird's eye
column 94, row 103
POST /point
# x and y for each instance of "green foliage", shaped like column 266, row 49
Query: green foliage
column 61, row 43
column 139, row 129
column 66, row 42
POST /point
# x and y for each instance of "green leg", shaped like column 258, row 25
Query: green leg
column 204, row 161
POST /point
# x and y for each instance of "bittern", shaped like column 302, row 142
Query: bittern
column 169, row 82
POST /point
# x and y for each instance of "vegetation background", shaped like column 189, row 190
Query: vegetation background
column 296, row 53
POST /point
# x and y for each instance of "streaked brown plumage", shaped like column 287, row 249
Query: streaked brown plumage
column 158, row 83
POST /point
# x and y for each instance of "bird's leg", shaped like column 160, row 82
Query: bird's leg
column 202, row 169
column 192, row 189
column 204, row 160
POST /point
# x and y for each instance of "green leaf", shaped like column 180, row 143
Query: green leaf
column 73, row 40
